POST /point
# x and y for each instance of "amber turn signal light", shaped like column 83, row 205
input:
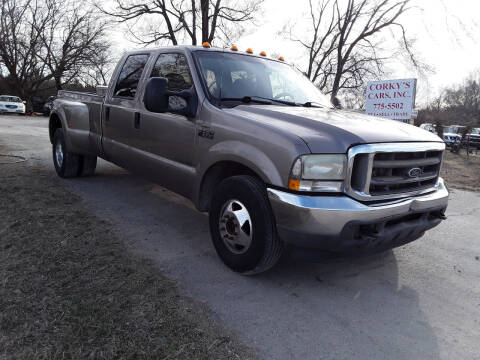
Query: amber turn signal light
column 263, row 53
column 250, row 51
column 206, row 45
column 281, row 58
column 294, row 184
column 234, row 48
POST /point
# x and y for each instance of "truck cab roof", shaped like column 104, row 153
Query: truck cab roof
column 194, row 48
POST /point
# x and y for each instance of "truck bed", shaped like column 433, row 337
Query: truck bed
column 81, row 96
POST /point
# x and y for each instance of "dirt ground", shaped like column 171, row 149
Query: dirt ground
column 461, row 172
column 70, row 289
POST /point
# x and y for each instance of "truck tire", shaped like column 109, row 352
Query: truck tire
column 67, row 164
column 88, row 164
column 242, row 226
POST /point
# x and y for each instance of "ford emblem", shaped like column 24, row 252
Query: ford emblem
column 415, row 172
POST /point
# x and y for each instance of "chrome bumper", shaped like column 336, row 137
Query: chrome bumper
column 325, row 221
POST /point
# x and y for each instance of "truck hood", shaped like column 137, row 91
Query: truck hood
column 331, row 130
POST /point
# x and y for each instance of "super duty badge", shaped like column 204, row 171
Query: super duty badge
column 206, row 132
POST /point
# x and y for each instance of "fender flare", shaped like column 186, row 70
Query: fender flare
column 240, row 153
column 60, row 114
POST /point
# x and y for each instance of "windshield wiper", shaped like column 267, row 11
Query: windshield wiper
column 313, row 104
column 248, row 99
column 259, row 100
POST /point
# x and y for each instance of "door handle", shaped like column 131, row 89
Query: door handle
column 137, row 120
column 107, row 114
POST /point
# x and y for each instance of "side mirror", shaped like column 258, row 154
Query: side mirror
column 156, row 98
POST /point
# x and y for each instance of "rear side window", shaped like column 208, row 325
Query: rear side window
column 130, row 75
column 174, row 67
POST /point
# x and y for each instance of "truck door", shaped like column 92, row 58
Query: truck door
column 167, row 140
column 119, row 112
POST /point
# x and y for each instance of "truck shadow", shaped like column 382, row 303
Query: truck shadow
column 366, row 302
column 363, row 308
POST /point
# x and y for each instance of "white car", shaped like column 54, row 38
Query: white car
column 429, row 127
column 11, row 104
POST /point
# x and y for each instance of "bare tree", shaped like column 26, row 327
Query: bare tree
column 175, row 21
column 99, row 70
column 456, row 105
column 21, row 23
column 48, row 41
column 73, row 39
column 344, row 44
column 322, row 44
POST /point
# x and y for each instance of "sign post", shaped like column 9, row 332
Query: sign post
column 391, row 99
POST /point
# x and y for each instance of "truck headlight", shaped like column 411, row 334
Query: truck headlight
column 320, row 173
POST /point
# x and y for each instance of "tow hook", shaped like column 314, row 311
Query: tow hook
column 440, row 214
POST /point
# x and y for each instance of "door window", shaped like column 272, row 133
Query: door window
column 175, row 68
column 130, row 75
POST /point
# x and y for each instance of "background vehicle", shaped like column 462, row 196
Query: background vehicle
column 255, row 144
column 451, row 139
column 451, row 135
column 473, row 138
column 429, row 127
column 11, row 104
column 47, row 107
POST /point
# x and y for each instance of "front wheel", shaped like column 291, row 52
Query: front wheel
column 242, row 225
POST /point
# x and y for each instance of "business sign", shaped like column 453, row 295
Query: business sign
column 392, row 99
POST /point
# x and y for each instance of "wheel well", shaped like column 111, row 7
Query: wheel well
column 53, row 125
column 217, row 173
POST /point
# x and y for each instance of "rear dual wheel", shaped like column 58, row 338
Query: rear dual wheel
column 242, row 225
column 68, row 164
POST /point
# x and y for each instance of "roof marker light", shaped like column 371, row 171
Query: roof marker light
column 249, row 51
column 281, row 58
column 263, row 53
column 234, row 48
column 206, row 45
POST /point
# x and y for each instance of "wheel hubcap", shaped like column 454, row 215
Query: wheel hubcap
column 235, row 227
column 59, row 154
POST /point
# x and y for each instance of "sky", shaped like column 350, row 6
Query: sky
column 447, row 34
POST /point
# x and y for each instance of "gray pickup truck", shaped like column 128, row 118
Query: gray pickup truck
column 254, row 143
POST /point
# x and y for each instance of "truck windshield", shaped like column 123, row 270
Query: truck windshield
column 231, row 76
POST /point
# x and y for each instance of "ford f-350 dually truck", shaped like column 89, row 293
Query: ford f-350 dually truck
column 254, row 143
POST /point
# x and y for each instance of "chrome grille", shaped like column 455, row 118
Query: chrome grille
column 389, row 171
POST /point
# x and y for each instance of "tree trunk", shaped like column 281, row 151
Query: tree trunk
column 336, row 83
column 194, row 24
column 58, row 83
column 205, row 27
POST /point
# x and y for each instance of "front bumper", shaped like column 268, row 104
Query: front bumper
column 12, row 111
column 342, row 224
column 451, row 143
